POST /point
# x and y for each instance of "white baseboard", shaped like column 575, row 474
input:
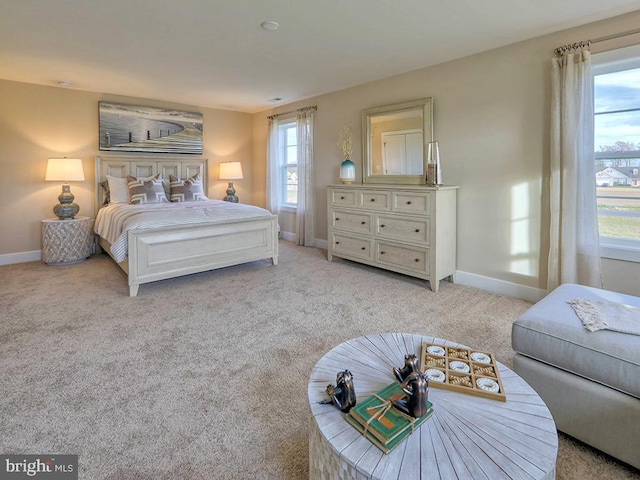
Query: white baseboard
column 488, row 284
column 501, row 287
column 321, row 244
column 289, row 236
column 21, row 257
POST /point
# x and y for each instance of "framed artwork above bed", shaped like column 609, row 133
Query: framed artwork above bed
column 130, row 128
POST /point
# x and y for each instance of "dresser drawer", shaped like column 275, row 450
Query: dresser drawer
column 352, row 221
column 403, row 256
column 411, row 202
column 402, row 228
column 351, row 245
column 374, row 200
column 343, row 198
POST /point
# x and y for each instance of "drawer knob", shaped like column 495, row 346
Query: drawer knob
column 382, row 226
column 417, row 260
column 417, row 230
column 364, row 223
column 408, row 202
column 341, row 198
column 337, row 243
column 382, row 252
column 337, row 218
column 363, row 248
column 372, row 200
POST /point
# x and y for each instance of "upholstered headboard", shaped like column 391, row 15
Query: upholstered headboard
column 147, row 167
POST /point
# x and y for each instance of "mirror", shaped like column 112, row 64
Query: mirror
column 394, row 142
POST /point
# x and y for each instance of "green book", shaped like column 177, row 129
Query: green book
column 397, row 440
column 385, row 428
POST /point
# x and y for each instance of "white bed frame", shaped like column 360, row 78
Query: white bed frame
column 161, row 253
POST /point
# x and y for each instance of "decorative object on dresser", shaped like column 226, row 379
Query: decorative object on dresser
column 347, row 167
column 66, row 241
column 231, row 171
column 408, row 229
column 434, row 172
column 65, row 170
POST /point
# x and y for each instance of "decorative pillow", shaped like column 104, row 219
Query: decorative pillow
column 189, row 190
column 118, row 191
column 146, row 190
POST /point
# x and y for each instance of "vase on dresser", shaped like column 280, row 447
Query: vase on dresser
column 347, row 171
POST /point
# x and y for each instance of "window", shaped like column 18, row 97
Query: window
column 288, row 157
column 617, row 151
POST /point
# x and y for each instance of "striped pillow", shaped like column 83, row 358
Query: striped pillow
column 188, row 190
column 146, row 190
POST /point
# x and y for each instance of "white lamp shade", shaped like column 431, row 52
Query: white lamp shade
column 230, row 171
column 64, row 170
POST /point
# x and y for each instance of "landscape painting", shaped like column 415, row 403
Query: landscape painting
column 129, row 128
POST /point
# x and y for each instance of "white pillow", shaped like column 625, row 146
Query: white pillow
column 118, row 189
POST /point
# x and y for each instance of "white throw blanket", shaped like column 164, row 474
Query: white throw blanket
column 606, row 315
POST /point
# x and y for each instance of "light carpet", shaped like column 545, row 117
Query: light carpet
column 205, row 376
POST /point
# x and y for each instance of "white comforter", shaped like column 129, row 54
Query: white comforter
column 114, row 221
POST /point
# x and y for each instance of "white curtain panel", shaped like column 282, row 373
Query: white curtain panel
column 305, row 208
column 574, row 252
column 274, row 174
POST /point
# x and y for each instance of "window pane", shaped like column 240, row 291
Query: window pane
column 291, row 136
column 617, row 91
column 617, row 131
column 617, row 151
column 292, row 155
column 619, row 211
column 292, row 185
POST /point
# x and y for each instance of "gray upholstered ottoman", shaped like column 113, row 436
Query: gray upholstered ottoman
column 589, row 380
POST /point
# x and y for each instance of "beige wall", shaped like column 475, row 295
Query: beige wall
column 491, row 119
column 39, row 122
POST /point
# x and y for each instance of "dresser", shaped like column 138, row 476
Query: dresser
column 409, row 229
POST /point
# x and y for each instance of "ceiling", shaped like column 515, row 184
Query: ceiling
column 213, row 53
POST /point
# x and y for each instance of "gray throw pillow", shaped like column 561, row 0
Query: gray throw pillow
column 146, row 190
column 188, row 190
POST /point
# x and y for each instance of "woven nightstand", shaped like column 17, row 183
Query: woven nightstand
column 66, row 241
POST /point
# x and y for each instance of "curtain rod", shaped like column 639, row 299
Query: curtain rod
column 299, row 110
column 574, row 46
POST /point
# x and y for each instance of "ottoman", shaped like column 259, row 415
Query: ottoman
column 589, row 380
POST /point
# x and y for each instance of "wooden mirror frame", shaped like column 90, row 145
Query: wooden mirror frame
column 426, row 105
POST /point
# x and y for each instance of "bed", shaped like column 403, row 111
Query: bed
column 217, row 234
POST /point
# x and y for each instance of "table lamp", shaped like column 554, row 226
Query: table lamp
column 65, row 170
column 230, row 171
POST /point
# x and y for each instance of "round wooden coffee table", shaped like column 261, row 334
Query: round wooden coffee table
column 467, row 437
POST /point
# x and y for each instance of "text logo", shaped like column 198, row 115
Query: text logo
column 44, row 467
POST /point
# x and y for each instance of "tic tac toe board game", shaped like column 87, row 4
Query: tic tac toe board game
column 462, row 370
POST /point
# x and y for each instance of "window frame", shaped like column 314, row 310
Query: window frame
column 627, row 58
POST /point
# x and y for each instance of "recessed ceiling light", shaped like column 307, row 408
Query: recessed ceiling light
column 275, row 100
column 64, row 83
column 270, row 25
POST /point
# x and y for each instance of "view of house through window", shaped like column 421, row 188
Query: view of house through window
column 617, row 152
column 289, row 162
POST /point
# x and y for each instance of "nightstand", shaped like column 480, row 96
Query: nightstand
column 66, row 241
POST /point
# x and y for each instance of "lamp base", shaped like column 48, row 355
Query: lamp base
column 231, row 194
column 66, row 209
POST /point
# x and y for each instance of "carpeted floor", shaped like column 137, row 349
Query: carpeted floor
column 205, row 377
